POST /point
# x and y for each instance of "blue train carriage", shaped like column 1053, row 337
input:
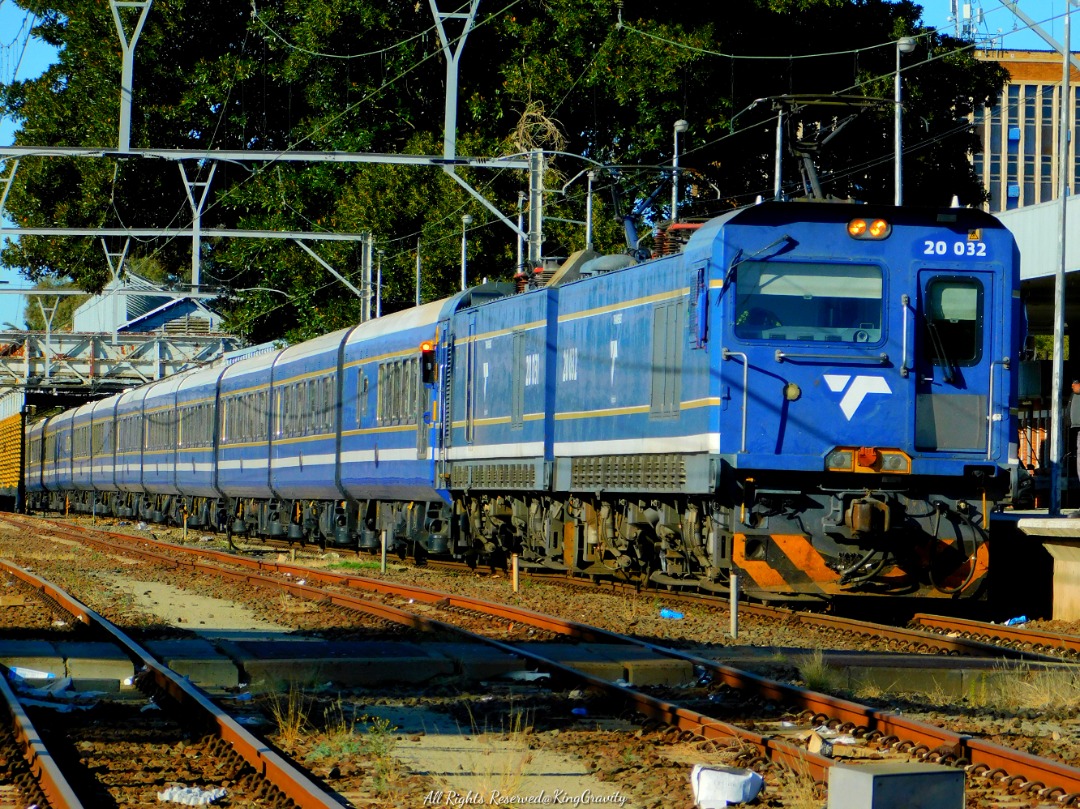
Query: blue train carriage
column 33, row 474
column 496, row 437
column 201, row 504
column 865, row 382
column 130, row 498
column 304, row 420
column 242, row 447
column 41, row 483
column 102, row 454
column 161, row 434
column 386, row 435
column 57, row 467
column 82, row 472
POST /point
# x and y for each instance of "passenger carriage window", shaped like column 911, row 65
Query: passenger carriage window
column 226, row 434
column 361, row 396
column 953, row 315
column 789, row 300
column 398, row 393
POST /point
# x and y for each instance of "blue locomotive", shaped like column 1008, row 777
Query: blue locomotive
column 818, row 397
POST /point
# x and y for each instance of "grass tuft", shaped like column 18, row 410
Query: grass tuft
column 818, row 675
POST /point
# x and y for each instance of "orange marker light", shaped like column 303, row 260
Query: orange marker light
column 856, row 227
column 879, row 228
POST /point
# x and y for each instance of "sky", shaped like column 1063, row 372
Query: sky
column 22, row 57
column 999, row 21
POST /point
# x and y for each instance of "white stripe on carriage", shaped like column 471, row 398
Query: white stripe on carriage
column 368, row 456
column 244, row 465
column 532, row 449
column 304, row 461
column 705, row 442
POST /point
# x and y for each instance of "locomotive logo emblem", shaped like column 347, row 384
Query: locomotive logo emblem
column 855, row 392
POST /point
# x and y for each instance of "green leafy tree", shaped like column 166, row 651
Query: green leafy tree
column 597, row 84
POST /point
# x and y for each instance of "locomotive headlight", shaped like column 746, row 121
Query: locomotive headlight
column 872, row 229
column 895, row 461
column 839, row 460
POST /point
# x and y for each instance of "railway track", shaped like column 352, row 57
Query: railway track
column 889, row 734
column 1054, row 645
column 930, row 635
column 103, row 755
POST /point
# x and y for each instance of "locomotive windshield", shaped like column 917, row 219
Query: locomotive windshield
column 953, row 311
column 808, row 301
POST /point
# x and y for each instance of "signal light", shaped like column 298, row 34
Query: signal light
column 871, row 229
column 427, row 363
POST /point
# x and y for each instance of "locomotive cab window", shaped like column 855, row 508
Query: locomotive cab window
column 953, row 315
column 789, row 300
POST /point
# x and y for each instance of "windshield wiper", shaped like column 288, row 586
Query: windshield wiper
column 939, row 349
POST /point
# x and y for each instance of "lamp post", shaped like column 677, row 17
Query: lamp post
column 903, row 45
column 466, row 220
column 680, row 126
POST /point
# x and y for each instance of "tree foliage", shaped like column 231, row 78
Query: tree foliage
column 595, row 83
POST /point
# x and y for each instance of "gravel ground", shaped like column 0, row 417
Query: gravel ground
column 1041, row 715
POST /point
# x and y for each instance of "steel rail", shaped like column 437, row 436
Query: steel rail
column 1036, row 638
column 43, row 766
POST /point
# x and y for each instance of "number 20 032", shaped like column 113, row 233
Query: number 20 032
column 944, row 248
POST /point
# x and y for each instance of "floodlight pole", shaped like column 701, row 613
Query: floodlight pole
column 1058, row 474
column 903, row 45
column 680, row 126
column 466, row 220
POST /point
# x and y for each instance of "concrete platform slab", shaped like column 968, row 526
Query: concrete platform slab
column 36, row 656
column 94, row 660
column 198, row 660
column 281, row 664
column 924, row 674
column 473, row 662
column 618, row 662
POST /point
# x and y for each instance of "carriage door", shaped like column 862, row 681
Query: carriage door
column 470, row 381
column 953, row 363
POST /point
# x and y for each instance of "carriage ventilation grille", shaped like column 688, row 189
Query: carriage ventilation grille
column 637, row 472
column 494, row 476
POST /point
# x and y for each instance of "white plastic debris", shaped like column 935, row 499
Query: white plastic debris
column 527, row 676
column 717, row 787
column 54, row 686
column 191, row 796
column 31, row 674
